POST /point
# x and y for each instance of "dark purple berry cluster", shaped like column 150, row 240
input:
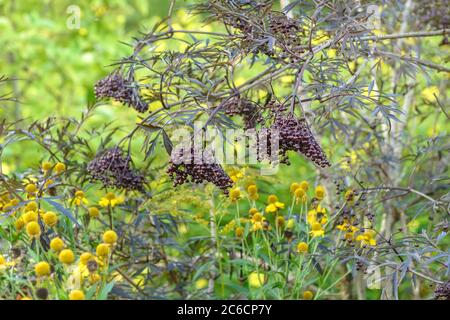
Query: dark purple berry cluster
column 188, row 166
column 118, row 88
column 442, row 291
column 245, row 108
column 112, row 168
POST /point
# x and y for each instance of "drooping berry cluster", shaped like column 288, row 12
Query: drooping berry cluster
column 188, row 166
column 442, row 291
column 295, row 135
column 112, row 168
column 117, row 87
column 245, row 108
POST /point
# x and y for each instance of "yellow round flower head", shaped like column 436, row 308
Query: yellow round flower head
column 66, row 256
column 304, row 185
column 316, row 230
column 30, row 216
column 252, row 211
column 42, row 269
column 33, row 229
column 272, row 198
column 57, row 244
column 294, row 186
column 257, row 217
column 235, row 194
column 50, row 218
column 239, row 232
column 79, row 194
column 31, row 206
column 308, row 295
column 110, row 237
column 93, row 212
column 2, row 260
column 85, row 257
column 31, row 188
column 251, row 189
column 76, row 295
column 46, row 166
column 299, row 193
column 201, row 284
column 102, row 250
column 302, row 247
column 256, row 279
column 320, row 192
column 280, row 221
column 60, row 167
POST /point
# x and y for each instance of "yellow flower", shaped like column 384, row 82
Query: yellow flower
column 235, row 194
column 111, row 200
column 317, row 215
column 239, row 232
column 304, row 185
column 201, row 284
column 279, row 205
column 30, row 216
column 257, row 226
column 252, row 211
column 46, row 166
column 280, row 221
column 308, row 295
column 79, row 198
column 66, row 256
column 302, row 247
column 2, row 260
column 42, row 269
column 271, row 208
column 94, row 278
column 299, row 193
column 31, row 188
column 50, row 218
column 294, row 186
column 252, row 189
column 31, row 206
column 272, row 198
column 93, row 212
column 60, row 167
column 316, row 230
column 256, row 279
column 85, row 257
column 33, row 229
column 102, row 250
column 320, row 193
column 257, row 217
column 57, row 244
column 367, row 238
column 349, row 195
column 428, row 93
column 76, row 295
column 110, row 237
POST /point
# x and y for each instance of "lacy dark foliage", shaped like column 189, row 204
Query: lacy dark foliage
column 442, row 291
column 117, row 87
column 187, row 165
column 263, row 30
column 112, row 168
